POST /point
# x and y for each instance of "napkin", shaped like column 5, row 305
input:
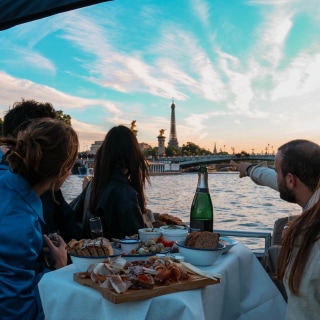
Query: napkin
column 193, row 269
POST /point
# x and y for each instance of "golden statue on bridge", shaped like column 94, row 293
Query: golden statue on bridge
column 134, row 127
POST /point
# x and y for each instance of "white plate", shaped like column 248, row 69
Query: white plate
column 144, row 257
column 172, row 227
column 229, row 242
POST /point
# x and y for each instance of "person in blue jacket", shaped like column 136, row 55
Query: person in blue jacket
column 58, row 215
column 39, row 157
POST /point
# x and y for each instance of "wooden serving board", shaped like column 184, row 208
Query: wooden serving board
column 195, row 281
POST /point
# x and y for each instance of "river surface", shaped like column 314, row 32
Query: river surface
column 238, row 204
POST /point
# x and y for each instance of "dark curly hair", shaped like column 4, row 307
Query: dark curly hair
column 19, row 115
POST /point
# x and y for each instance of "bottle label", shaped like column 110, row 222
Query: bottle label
column 202, row 225
column 203, row 190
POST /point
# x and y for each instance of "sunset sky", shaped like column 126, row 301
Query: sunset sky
column 242, row 73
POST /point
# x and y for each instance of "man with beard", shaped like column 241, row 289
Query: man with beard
column 297, row 164
column 296, row 176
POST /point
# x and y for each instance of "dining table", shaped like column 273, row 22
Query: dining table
column 245, row 292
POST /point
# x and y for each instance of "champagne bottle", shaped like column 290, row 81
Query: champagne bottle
column 201, row 213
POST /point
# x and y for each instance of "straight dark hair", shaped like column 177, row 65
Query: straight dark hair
column 120, row 149
column 302, row 233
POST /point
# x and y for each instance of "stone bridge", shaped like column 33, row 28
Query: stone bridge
column 192, row 161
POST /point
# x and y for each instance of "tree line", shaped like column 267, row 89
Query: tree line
column 188, row 149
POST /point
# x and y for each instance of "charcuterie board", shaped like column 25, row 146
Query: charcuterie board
column 194, row 282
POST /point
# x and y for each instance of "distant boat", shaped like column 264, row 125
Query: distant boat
column 83, row 167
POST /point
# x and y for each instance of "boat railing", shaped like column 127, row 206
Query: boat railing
column 249, row 234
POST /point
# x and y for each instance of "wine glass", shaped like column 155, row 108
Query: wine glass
column 89, row 173
column 290, row 217
column 96, row 228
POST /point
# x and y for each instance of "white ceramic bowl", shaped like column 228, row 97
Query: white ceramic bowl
column 128, row 245
column 229, row 242
column 174, row 234
column 200, row 257
column 83, row 263
column 149, row 233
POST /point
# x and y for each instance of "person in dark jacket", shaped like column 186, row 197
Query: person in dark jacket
column 116, row 191
column 58, row 215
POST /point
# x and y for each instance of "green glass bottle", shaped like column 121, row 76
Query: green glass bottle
column 201, row 213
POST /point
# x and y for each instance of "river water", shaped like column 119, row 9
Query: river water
column 238, row 204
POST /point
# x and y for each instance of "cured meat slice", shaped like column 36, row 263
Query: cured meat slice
column 143, row 280
column 118, row 284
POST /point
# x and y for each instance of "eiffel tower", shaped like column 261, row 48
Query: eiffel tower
column 173, row 141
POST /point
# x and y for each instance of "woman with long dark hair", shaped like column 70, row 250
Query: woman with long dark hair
column 117, row 189
column 299, row 265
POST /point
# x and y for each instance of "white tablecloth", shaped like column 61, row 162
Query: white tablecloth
column 245, row 292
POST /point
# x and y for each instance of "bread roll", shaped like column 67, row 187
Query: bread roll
column 207, row 240
column 99, row 248
column 106, row 246
column 71, row 247
column 203, row 240
column 78, row 247
column 84, row 250
column 170, row 220
column 89, row 247
column 191, row 238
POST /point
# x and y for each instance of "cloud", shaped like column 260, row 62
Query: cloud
column 273, row 33
column 269, row 2
column 301, row 76
column 19, row 50
column 113, row 69
column 14, row 89
column 21, row 58
column 202, row 10
column 109, row 113
column 166, row 75
column 131, row 59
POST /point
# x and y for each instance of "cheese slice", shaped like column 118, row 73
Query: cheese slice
column 193, row 269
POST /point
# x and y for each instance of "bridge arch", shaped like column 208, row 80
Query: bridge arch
column 192, row 161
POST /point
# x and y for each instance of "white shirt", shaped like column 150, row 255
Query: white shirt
column 262, row 175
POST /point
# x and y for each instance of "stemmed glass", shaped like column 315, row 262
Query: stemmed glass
column 96, row 228
column 89, row 173
column 290, row 217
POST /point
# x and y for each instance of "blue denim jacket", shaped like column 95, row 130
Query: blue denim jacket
column 20, row 244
